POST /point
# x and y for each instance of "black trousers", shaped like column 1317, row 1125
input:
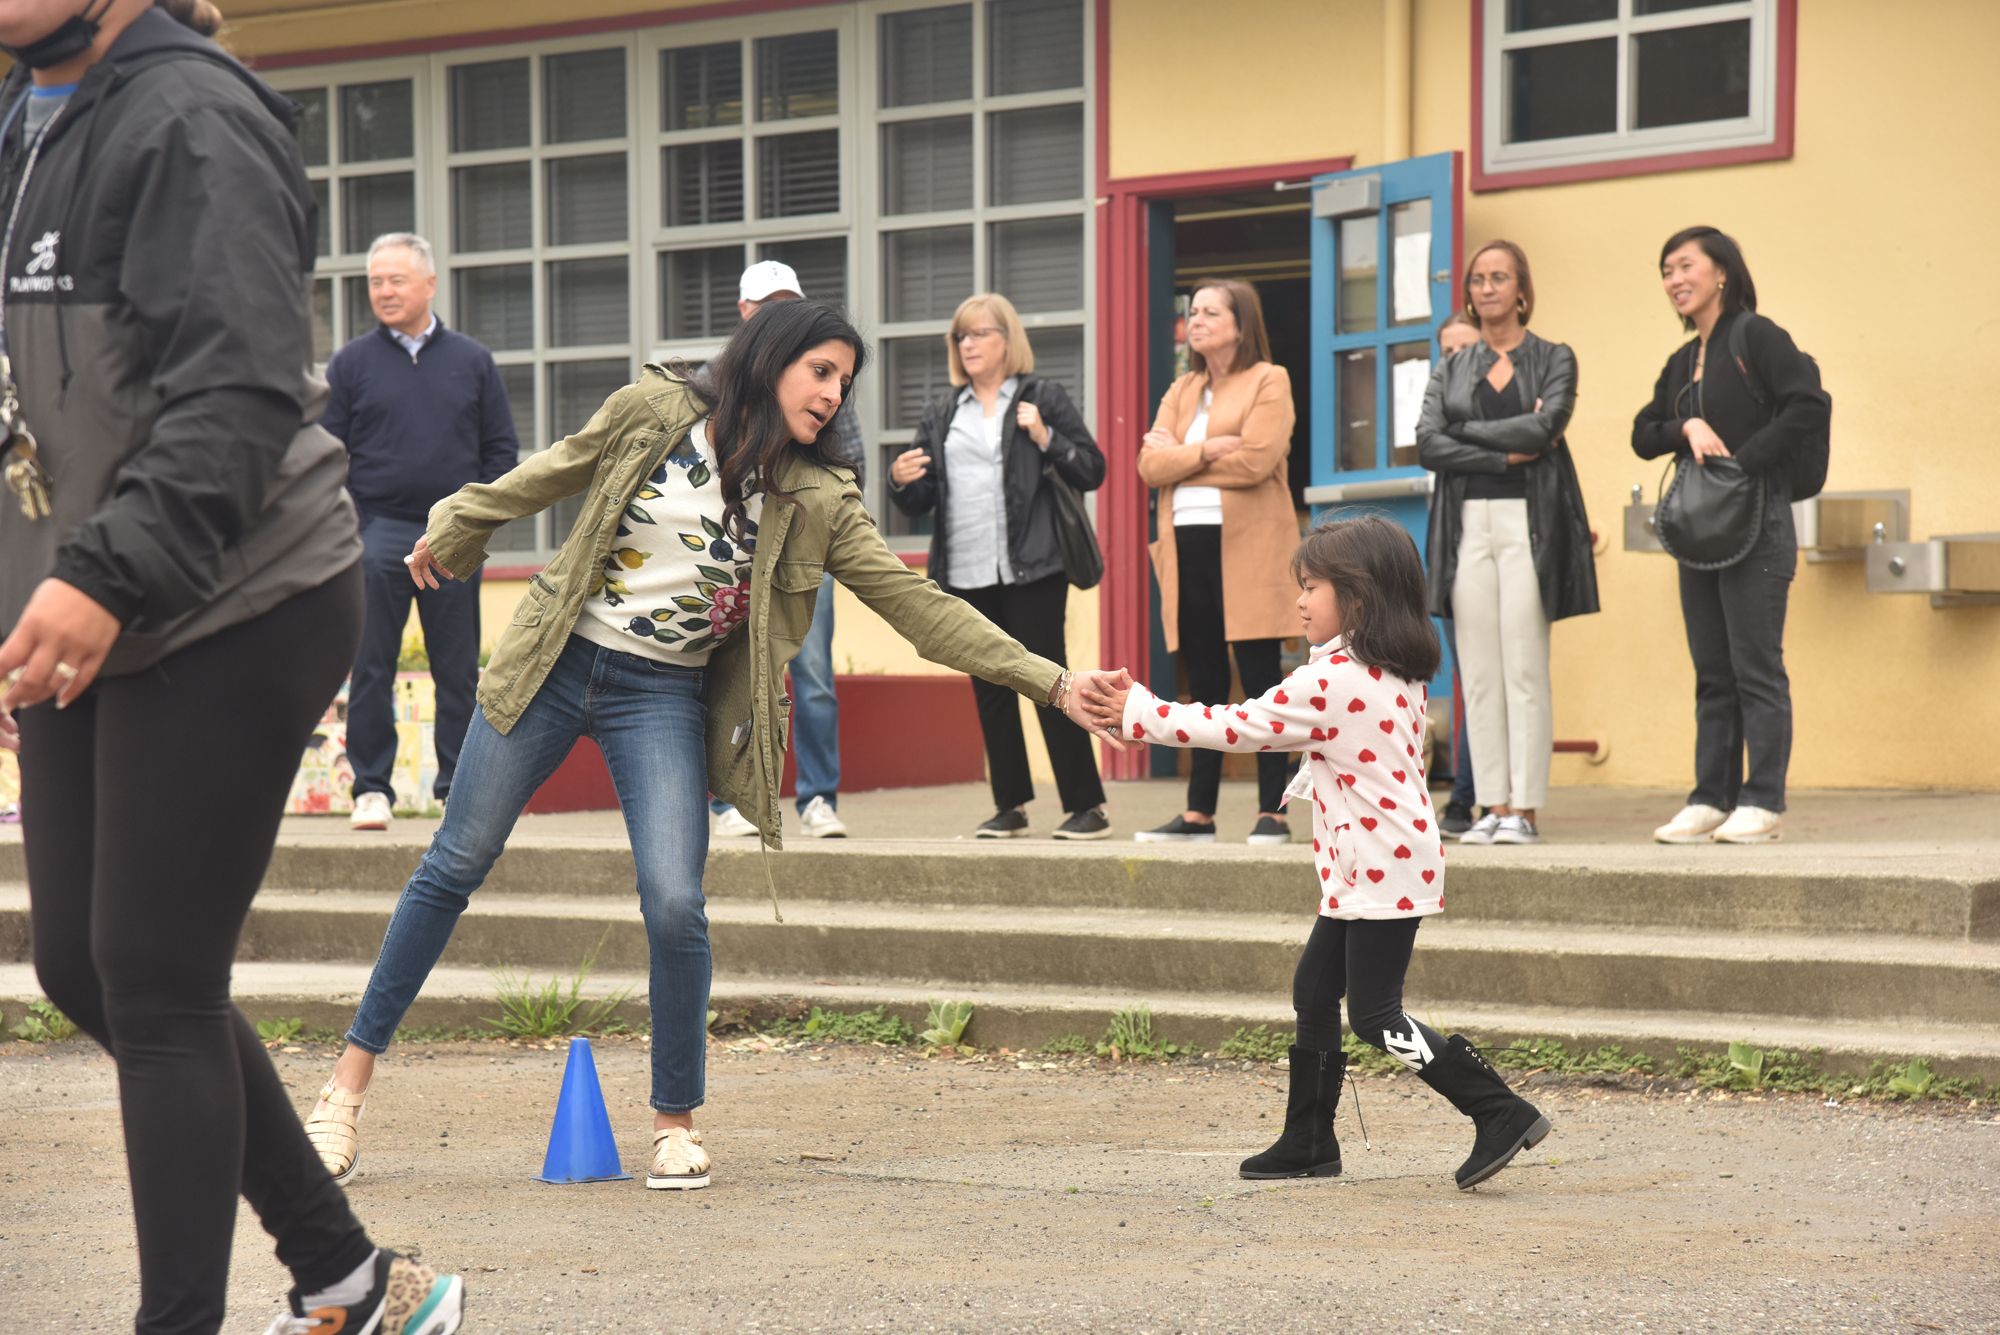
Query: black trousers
column 1034, row 614
column 1204, row 655
column 1742, row 695
column 449, row 615
column 1365, row 960
column 149, row 809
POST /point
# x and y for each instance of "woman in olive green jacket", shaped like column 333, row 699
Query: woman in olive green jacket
column 708, row 503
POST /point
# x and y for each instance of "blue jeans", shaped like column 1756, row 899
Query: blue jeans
column 815, row 738
column 648, row 719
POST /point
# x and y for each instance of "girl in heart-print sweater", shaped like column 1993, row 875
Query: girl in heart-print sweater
column 1356, row 710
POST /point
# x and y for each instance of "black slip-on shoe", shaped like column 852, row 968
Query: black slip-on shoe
column 1179, row 830
column 1004, row 825
column 1086, row 824
column 1455, row 821
column 1270, row 831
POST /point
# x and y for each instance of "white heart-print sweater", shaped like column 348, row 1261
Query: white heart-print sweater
column 1376, row 848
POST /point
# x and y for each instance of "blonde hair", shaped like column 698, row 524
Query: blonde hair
column 1020, row 356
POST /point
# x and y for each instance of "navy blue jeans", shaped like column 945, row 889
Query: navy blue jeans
column 648, row 719
column 450, row 618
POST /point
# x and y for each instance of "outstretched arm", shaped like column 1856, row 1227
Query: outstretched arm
column 1284, row 718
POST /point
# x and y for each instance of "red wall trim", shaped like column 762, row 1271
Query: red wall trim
column 541, row 32
column 1784, row 115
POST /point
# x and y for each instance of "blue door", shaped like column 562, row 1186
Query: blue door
column 1384, row 256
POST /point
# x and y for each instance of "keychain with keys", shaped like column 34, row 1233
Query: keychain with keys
column 26, row 477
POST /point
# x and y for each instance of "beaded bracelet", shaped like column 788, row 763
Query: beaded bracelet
column 1059, row 693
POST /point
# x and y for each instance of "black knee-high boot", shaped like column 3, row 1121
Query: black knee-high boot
column 1307, row 1147
column 1503, row 1123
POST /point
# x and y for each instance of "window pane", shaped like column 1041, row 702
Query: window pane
column 587, row 199
column 1557, row 91
column 698, row 292
column 359, row 315
column 492, row 207
column 916, row 370
column 1059, row 357
column 701, row 86
column 312, row 124
column 1037, row 154
column 1686, row 75
column 1357, row 273
column 489, row 105
column 798, row 174
column 926, row 273
column 820, row 263
column 585, row 95
column 927, row 56
column 798, row 75
column 322, row 217
column 373, row 205
column 519, row 535
column 589, row 302
column 1669, row 6
column 322, row 318
column 375, row 121
column 703, row 183
column 496, row 305
column 1410, row 263
column 927, row 165
column 1409, row 377
column 1356, row 406
column 576, row 390
column 1524, row 15
column 1038, row 263
column 1033, row 45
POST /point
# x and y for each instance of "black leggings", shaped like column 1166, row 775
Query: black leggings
column 1365, row 959
column 149, row 809
column 1204, row 654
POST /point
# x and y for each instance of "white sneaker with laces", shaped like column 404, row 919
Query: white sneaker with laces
column 1482, row 830
column 1514, row 829
column 1751, row 825
column 732, row 825
column 821, row 821
column 1695, row 824
column 371, row 812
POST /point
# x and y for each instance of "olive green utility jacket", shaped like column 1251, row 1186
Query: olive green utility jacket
column 828, row 530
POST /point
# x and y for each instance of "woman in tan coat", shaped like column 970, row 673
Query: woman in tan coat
column 1217, row 452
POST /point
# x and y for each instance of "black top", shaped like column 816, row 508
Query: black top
column 1721, row 399
column 1495, row 404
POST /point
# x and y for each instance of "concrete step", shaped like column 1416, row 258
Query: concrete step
column 325, row 995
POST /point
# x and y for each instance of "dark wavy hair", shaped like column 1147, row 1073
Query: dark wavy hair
column 740, row 386
column 1378, row 582
column 1739, row 293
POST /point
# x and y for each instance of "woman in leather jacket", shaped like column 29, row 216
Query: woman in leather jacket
column 1509, row 537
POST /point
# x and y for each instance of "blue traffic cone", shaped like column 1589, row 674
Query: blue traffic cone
column 581, row 1148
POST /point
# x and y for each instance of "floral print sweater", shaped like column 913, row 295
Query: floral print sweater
column 675, row 584
column 1376, row 848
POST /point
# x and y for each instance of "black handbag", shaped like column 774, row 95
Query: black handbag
column 1076, row 537
column 1711, row 514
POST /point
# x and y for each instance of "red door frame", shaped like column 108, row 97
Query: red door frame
column 1124, row 629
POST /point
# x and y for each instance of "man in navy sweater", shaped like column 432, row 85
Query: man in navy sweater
column 423, row 412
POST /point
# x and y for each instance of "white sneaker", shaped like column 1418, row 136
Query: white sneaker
column 1751, row 825
column 821, row 821
column 1696, row 824
column 1515, row 830
column 371, row 812
column 1482, row 830
column 732, row 825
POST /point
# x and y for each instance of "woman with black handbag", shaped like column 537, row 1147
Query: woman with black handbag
column 991, row 461
column 1728, row 519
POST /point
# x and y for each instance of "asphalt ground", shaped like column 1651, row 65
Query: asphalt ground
column 871, row 1189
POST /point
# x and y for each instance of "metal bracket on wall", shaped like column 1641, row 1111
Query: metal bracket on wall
column 1373, row 490
column 1347, row 196
column 1840, row 525
column 1955, row 569
column 1639, row 535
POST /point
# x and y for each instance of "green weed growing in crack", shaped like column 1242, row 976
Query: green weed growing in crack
column 1261, row 1044
column 945, row 1025
column 44, row 1024
column 547, row 1010
column 1131, row 1038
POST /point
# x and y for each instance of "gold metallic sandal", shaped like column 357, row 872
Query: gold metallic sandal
column 679, row 1161
column 334, row 1134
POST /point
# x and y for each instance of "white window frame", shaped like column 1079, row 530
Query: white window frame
column 859, row 219
column 1757, row 129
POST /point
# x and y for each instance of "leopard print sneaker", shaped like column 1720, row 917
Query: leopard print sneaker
column 407, row 1298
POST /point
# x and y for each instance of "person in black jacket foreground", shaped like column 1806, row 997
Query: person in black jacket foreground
column 178, row 582
column 1702, row 409
column 977, row 462
column 1509, row 539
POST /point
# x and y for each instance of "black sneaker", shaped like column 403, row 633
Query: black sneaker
column 1455, row 821
column 1086, row 824
column 1179, row 830
column 1004, row 825
column 1270, row 831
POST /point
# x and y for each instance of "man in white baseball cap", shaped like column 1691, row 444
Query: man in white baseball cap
column 815, row 708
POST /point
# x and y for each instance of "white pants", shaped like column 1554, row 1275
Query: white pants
column 1503, row 656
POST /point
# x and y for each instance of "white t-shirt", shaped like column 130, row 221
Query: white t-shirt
column 675, row 584
column 1198, row 505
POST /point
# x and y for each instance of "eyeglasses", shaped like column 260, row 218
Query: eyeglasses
column 1489, row 280
column 974, row 335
